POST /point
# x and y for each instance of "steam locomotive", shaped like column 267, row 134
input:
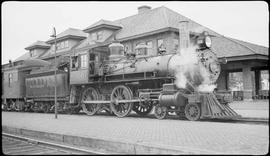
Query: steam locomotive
column 120, row 82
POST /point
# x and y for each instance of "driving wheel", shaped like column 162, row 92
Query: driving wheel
column 90, row 94
column 121, row 93
column 143, row 108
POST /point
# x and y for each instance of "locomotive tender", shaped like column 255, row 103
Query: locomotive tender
column 120, row 82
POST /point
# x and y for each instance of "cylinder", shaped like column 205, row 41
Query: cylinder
column 176, row 99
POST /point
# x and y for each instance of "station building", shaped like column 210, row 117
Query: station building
column 245, row 74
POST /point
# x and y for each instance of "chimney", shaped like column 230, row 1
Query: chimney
column 143, row 9
column 183, row 35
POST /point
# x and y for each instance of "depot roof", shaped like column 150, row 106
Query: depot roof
column 69, row 33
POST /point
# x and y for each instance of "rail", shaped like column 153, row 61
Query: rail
column 53, row 145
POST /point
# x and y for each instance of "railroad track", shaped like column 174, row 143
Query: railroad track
column 19, row 145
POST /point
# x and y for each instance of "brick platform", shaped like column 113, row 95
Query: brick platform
column 124, row 134
column 252, row 109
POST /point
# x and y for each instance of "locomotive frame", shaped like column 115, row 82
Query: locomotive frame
column 123, row 92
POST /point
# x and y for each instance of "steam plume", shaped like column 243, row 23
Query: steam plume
column 189, row 72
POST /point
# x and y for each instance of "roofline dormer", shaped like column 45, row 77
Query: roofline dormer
column 112, row 27
column 38, row 44
column 51, row 41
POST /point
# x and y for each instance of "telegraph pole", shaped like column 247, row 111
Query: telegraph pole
column 55, row 79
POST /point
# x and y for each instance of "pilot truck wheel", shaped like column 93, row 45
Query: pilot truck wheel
column 161, row 112
column 193, row 111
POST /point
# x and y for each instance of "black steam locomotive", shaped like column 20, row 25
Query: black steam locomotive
column 118, row 83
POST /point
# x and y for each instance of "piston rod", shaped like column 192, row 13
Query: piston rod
column 117, row 101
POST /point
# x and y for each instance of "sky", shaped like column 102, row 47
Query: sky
column 23, row 23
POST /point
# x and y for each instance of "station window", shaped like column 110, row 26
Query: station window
column 32, row 53
column 38, row 83
column 45, row 82
column 161, row 46
column 99, row 35
column 66, row 44
column 34, row 83
column 62, row 45
column 150, row 48
column 31, row 82
column 94, row 36
column 264, row 80
column 58, row 46
column 160, row 42
column 141, row 51
column 3, row 78
column 235, row 81
column 83, row 61
column 10, row 79
column 175, row 44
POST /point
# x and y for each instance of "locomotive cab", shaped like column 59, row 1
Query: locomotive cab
column 85, row 66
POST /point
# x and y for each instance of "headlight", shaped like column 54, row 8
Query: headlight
column 208, row 41
column 214, row 67
column 204, row 41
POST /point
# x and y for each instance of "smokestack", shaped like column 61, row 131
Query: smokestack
column 143, row 9
column 183, row 35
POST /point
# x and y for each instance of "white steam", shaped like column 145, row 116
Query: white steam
column 188, row 70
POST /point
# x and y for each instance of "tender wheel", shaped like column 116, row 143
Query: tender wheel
column 73, row 110
column 46, row 107
column 90, row 94
column 121, row 93
column 36, row 107
column 192, row 111
column 161, row 112
column 76, row 110
column 4, row 107
column 143, row 109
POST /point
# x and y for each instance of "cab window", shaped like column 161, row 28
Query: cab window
column 74, row 62
column 83, row 61
column 92, row 59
